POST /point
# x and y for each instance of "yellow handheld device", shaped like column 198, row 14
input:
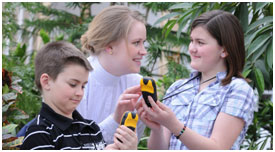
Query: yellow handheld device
column 148, row 88
column 130, row 120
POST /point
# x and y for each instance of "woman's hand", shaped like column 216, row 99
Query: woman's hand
column 127, row 136
column 127, row 101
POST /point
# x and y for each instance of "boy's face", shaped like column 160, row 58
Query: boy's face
column 65, row 93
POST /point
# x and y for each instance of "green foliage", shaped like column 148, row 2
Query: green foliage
column 70, row 26
column 175, row 72
column 28, row 99
column 44, row 36
column 262, row 127
column 85, row 8
column 158, row 6
column 9, row 24
column 59, row 19
column 11, row 114
column 8, row 140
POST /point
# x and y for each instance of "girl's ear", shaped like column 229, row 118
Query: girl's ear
column 45, row 81
column 224, row 53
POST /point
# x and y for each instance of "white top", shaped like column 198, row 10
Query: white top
column 101, row 96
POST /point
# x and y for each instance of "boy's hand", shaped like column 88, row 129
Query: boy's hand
column 127, row 136
column 127, row 101
column 111, row 147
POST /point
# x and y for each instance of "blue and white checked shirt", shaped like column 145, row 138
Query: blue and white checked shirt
column 199, row 110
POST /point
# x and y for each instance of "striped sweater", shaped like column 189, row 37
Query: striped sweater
column 53, row 131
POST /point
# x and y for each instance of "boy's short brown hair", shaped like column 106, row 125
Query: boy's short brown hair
column 54, row 56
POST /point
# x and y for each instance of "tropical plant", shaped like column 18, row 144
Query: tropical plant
column 16, row 89
column 10, row 113
column 28, row 97
column 58, row 24
column 9, row 24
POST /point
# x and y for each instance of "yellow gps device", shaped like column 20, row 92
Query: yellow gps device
column 130, row 120
column 148, row 88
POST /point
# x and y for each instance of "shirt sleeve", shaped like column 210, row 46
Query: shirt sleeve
column 108, row 128
column 37, row 138
column 240, row 101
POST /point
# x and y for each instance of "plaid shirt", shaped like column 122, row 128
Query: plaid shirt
column 199, row 110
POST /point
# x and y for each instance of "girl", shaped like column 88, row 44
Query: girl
column 214, row 107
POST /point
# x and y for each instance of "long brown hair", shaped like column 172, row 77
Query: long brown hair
column 226, row 29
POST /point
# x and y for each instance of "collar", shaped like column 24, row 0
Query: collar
column 194, row 74
column 60, row 121
column 100, row 74
column 220, row 75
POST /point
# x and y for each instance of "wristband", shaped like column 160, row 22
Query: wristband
column 181, row 132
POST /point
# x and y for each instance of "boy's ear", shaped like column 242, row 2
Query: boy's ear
column 44, row 81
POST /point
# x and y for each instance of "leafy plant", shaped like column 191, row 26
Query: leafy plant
column 9, row 24
column 58, row 23
column 29, row 99
column 11, row 114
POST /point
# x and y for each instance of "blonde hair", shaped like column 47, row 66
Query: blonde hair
column 110, row 25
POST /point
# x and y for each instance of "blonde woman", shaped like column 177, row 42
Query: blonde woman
column 115, row 38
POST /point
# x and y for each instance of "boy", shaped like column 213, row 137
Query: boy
column 61, row 72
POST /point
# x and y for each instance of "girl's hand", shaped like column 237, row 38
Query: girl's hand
column 127, row 136
column 160, row 113
column 127, row 101
column 143, row 117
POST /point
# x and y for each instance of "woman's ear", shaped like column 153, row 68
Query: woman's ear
column 45, row 81
column 109, row 49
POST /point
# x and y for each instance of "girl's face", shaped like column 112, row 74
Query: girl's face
column 66, row 92
column 129, row 53
column 205, row 52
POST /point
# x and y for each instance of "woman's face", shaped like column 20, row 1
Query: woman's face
column 205, row 52
column 129, row 52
